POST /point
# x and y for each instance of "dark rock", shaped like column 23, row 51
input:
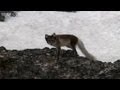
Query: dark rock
column 2, row 18
column 111, row 72
column 42, row 64
column 3, row 15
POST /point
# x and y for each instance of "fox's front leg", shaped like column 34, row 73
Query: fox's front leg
column 58, row 52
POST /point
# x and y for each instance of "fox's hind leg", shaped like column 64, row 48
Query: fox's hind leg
column 74, row 50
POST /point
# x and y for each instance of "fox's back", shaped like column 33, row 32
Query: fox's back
column 66, row 40
column 61, row 40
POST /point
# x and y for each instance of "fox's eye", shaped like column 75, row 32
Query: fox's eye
column 53, row 39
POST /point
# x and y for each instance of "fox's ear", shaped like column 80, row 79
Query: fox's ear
column 46, row 36
column 54, row 34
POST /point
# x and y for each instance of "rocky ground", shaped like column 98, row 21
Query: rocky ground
column 41, row 64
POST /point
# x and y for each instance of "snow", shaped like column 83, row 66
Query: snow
column 99, row 30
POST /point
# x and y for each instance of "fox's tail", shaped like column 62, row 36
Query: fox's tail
column 84, row 51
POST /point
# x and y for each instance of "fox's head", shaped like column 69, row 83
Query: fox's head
column 51, row 39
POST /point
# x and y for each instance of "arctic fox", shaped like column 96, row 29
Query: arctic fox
column 69, row 41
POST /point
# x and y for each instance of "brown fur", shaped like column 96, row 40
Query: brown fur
column 69, row 41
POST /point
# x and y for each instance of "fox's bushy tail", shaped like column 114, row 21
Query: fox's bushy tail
column 84, row 50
